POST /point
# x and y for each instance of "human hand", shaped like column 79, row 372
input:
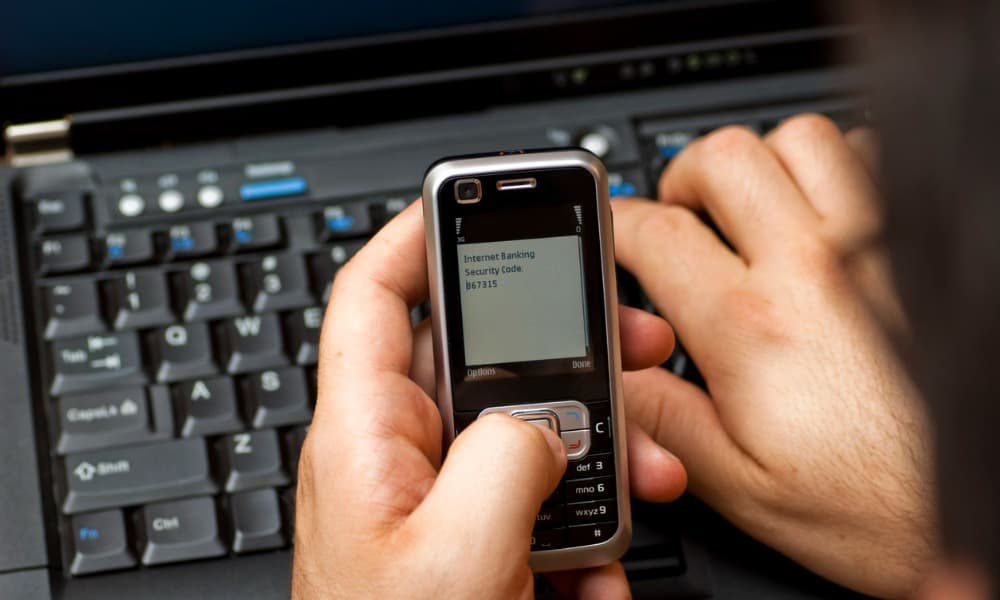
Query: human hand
column 377, row 514
column 811, row 438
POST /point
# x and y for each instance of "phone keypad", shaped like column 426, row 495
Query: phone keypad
column 583, row 509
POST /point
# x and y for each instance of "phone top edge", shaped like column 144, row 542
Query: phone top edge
column 506, row 157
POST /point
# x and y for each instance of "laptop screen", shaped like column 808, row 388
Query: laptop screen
column 51, row 35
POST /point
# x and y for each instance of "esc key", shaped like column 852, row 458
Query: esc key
column 61, row 211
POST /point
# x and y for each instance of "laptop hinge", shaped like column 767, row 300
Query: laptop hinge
column 40, row 143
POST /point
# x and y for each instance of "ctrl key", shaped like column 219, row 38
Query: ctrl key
column 179, row 530
column 100, row 543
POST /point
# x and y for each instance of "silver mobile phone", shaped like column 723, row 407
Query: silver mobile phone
column 524, row 309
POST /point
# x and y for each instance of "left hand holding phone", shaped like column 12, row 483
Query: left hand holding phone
column 377, row 513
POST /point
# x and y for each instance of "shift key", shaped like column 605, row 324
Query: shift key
column 136, row 475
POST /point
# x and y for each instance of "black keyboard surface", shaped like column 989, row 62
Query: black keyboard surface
column 177, row 318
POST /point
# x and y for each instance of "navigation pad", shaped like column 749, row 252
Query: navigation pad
column 568, row 418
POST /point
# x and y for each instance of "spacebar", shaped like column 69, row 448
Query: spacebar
column 136, row 475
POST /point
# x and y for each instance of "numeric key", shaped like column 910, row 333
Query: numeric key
column 602, row 511
column 208, row 290
column 324, row 266
column 139, row 300
column 591, row 466
column 72, row 309
column 277, row 282
column 597, row 488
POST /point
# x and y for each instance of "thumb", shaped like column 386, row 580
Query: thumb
column 682, row 418
column 492, row 483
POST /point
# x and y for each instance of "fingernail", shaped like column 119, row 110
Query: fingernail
column 555, row 442
column 668, row 454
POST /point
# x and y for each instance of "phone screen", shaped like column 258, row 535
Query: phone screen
column 524, row 281
column 523, row 300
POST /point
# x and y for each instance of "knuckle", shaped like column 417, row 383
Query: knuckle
column 664, row 223
column 809, row 126
column 819, row 260
column 342, row 279
column 755, row 316
column 730, row 140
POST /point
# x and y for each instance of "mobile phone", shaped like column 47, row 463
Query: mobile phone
column 524, row 310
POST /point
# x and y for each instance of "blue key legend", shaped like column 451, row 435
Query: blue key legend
column 622, row 189
column 273, row 188
column 337, row 219
column 340, row 224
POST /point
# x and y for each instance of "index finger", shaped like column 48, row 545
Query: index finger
column 737, row 180
column 367, row 326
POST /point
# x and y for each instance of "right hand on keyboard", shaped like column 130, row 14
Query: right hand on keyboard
column 377, row 514
column 810, row 437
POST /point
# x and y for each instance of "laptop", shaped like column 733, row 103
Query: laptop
column 182, row 181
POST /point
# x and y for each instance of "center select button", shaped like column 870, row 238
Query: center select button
column 273, row 188
column 545, row 419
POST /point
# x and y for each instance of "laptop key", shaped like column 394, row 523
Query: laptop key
column 136, row 474
column 179, row 530
column 72, row 309
column 277, row 282
column 207, row 407
column 113, row 418
column 59, row 212
column 251, row 460
column 250, row 343
column 292, row 442
column 128, row 248
column 208, row 290
column 345, row 220
column 386, row 209
column 277, row 397
column 100, row 543
column 181, row 352
column 324, row 266
column 255, row 521
column 191, row 240
column 254, row 233
column 96, row 361
column 63, row 254
column 302, row 329
column 139, row 300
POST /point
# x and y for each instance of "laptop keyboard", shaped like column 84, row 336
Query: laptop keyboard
column 178, row 322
